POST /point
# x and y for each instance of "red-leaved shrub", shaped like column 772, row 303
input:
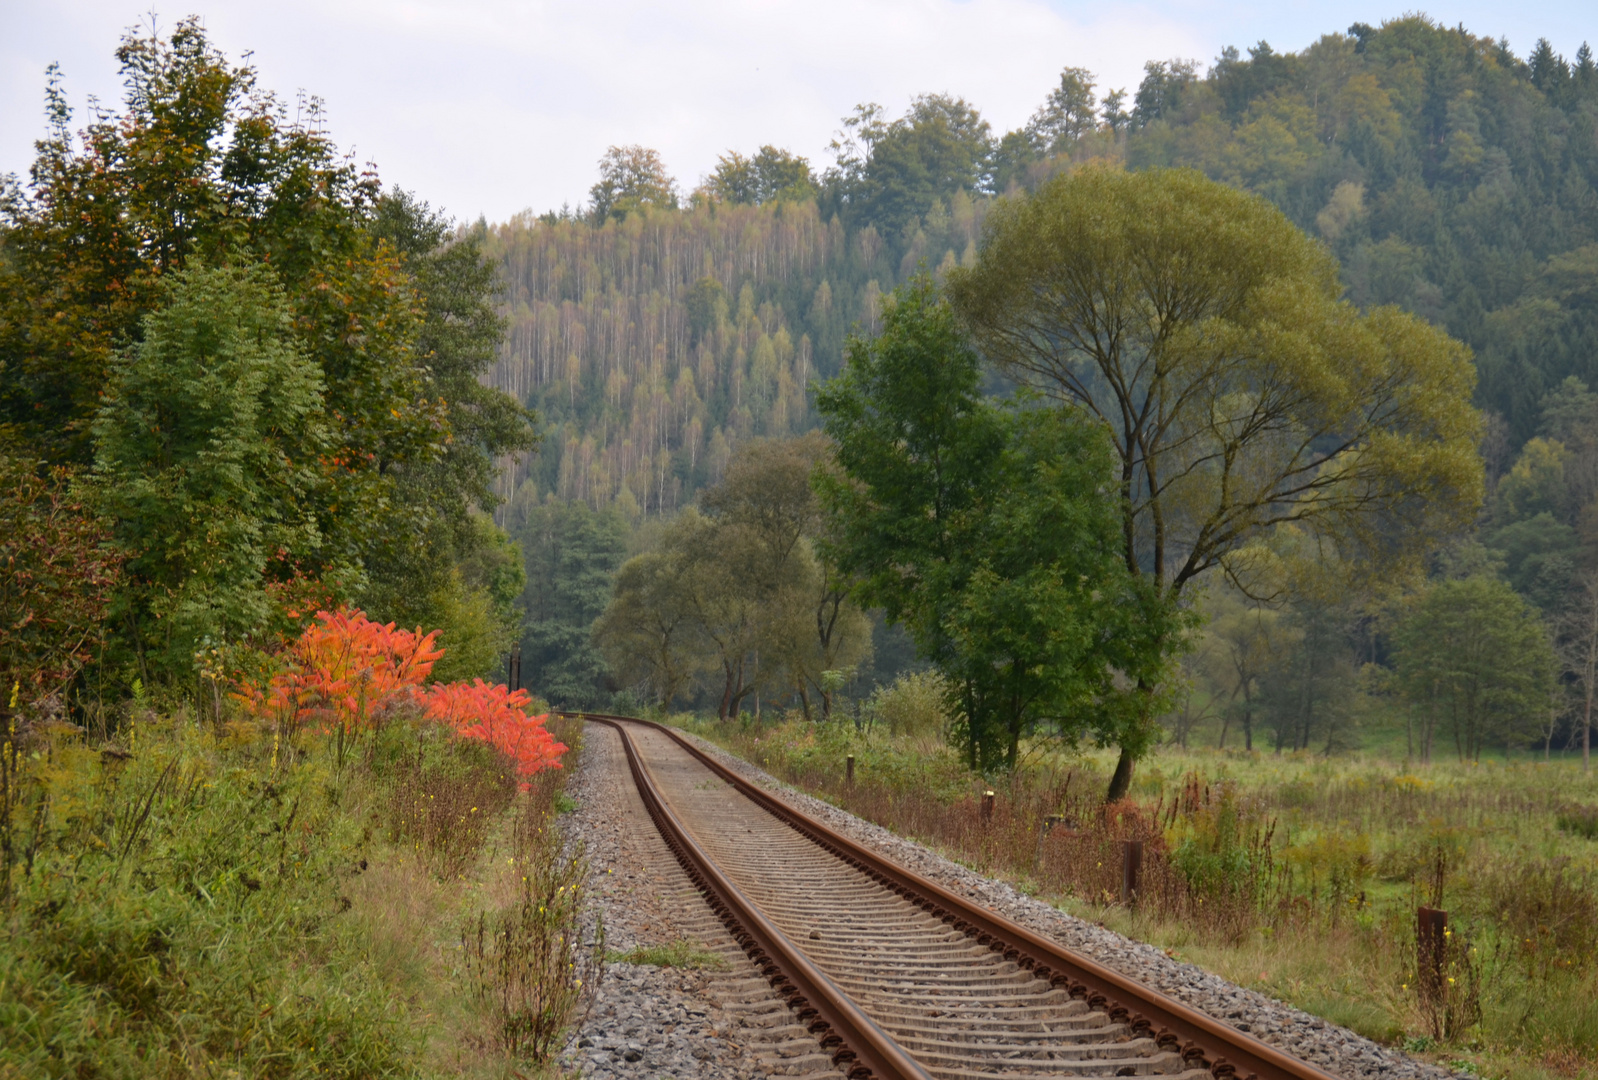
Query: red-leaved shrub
column 344, row 670
column 499, row 718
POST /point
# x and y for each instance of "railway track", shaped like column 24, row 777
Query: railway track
column 896, row 977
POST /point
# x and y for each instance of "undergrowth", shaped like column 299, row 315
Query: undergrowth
column 199, row 900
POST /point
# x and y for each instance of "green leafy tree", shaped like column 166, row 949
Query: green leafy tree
column 1245, row 638
column 890, row 173
column 1204, row 332
column 477, row 607
column 1161, row 93
column 982, row 528
column 1308, row 688
column 708, row 603
column 707, row 307
column 1068, row 114
column 1475, row 657
column 448, row 559
column 203, row 167
column 1578, row 650
column 648, row 630
column 771, row 175
column 631, row 180
column 816, row 626
column 202, row 163
column 207, row 461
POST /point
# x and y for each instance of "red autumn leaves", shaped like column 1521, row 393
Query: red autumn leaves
column 346, row 670
column 499, row 718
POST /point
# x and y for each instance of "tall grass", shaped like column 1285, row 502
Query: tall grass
column 530, row 965
column 185, row 899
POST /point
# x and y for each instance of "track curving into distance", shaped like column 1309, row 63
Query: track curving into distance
column 895, row 975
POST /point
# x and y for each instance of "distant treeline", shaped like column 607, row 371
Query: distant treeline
column 656, row 328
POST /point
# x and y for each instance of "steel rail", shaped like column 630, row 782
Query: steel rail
column 1228, row 1053
column 855, row 1040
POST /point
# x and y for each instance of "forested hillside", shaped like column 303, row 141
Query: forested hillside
column 1449, row 175
column 651, row 345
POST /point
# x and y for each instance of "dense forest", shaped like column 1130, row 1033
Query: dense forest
column 650, row 340
column 1448, row 175
column 657, row 329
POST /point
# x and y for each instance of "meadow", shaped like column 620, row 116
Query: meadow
column 1297, row 875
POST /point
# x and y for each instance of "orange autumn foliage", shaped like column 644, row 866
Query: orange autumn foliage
column 344, row 670
column 499, row 718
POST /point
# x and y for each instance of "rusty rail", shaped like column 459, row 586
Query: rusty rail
column 856, row 1042
column 1229, row 1054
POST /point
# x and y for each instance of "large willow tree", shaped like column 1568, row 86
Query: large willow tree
column 1206, row 333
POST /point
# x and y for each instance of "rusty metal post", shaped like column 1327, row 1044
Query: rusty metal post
column 1431, row 947
column 1131, row 870
column 514, row 674
column 987, row 806
column 848, row 768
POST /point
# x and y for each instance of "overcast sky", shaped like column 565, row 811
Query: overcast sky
column 494, row 106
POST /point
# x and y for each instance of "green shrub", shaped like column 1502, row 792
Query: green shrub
column 914, row 704
column 180, row 914
column 1579, row 821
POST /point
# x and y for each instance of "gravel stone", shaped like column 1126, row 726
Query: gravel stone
column 646, row 1021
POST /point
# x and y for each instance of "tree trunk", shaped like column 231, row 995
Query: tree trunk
column 1121, row 781
column 1586, row 735
column 726, row 691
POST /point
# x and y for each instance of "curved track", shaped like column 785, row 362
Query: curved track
column 897, row 976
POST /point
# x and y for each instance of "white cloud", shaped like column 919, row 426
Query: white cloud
column 492, row 106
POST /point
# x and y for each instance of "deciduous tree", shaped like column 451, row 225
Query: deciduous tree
column 985, row 530
column 631, row 179
column 1203, row 331
column 771, row 175
column 1477, row 657
column 211, row 450
column 572, row 555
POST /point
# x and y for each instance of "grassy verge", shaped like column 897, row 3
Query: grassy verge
column 1296, row 875
column 193, row 901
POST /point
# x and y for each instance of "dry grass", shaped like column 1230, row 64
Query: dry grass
column 533, row 963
